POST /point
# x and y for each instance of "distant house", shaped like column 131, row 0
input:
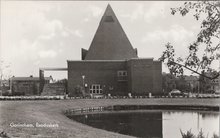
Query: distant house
column 184, row 83
column 192, row 82
column 26, row 85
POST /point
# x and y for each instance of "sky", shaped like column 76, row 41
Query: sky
column 36, row 34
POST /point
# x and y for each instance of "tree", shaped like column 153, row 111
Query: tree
column 4, row 70
column 208, row 37
column 3, row 74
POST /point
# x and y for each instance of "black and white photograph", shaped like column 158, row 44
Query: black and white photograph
column 109, row 69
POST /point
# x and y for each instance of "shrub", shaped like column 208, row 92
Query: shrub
column 201, row 134
column 188, row 134
column 3, row 135
column 215, row 136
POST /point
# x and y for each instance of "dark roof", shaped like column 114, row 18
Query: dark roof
column 110, row 41
column 29, row 78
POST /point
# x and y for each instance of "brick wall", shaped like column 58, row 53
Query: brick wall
column 144, row 76
column 25, row 88
column 140, row 76
column 157, row 77
column 99, row 72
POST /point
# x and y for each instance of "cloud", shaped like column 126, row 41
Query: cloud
column 91, row 13
column 66, row 32
column 25, row 50
column 177, row 33
column 96, row 11
column 156, row 10
column 47, row 37
column 36, row 63
column 85, row 19
column 41, row 27
column 137, row 13
column 32, row 26
column 78, row 33
column 147, row 12
column 48, row 54
column 31, row 20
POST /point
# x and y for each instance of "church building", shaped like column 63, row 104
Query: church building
column 112, row 66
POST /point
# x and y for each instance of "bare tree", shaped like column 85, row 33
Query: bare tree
column 4, row 70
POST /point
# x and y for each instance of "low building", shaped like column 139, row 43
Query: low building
column 26, row 85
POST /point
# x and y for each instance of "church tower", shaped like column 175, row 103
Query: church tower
column 111, row 65
column 110, row 41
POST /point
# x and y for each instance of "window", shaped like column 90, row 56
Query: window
column 109, row 19
column 95, row 89
column 122, row 75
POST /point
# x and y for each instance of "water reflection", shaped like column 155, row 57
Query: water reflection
column 175, row 121
column 154, row 124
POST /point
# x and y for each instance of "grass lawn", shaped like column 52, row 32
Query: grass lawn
column 51, row 112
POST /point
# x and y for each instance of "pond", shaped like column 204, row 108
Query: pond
column 153, row 123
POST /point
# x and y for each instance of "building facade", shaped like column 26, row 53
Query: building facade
column 111, row 65
column 26, row 85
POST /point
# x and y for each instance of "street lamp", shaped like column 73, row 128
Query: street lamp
column 83, row 88
column 83, row 78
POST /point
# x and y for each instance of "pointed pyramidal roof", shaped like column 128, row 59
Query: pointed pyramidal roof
column 110, row 41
